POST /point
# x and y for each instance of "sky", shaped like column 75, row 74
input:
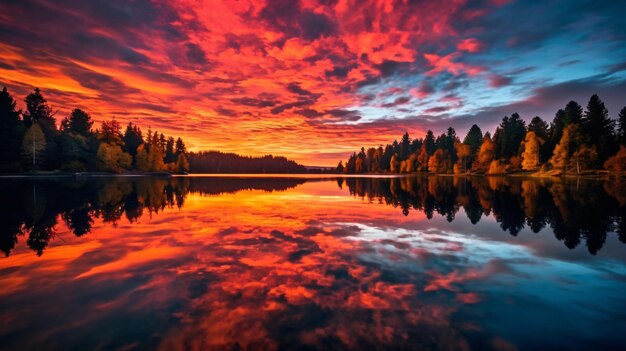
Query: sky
column 313, row 80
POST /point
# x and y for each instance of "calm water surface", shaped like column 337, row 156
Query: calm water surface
column 201, row 263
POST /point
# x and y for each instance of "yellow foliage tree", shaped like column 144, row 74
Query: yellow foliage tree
column 560, row 155
column 111, row 158
column 33, row 146
column 496, row 167
column 463, row 153
column 530, row 156
column 617, row 163
column 422, row 159
column 182, row 164
column 359, row 167
column 394, row 164
column 584, row 158
column 485, row 155
column 436, row 162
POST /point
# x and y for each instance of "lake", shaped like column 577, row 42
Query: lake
column 307, row 263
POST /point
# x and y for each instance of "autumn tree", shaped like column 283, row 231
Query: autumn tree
column 496, row 167
column 422, row 159
column 463, row 154
column 584, row 157
column 565, row 148
column 436, row 162
column 33, row 146
column 486, row 154
column 394, row 164
column 617, row 163
column 542, row 132
column 182, row 164
column 530, row 156
column 111, row 158
column 359, row 166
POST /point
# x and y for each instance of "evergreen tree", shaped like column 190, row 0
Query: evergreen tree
column 111, row 132
column 474, row 139
column 78, row 122
column 556, row 129
column 132, row 139
column 599, row 128
column 11, row 132
column 180, row 147
column 339, row 168
column 405, row 145
column 429, row 142
column 621, row 127
column 573, row 113
column 509, row 136
column 38, row 111
column 170, row 155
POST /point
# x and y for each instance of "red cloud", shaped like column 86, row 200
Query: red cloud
column 217, row 71
column 469, row 45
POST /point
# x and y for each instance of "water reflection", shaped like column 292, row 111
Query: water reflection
column 575, row 210
column 403, row 263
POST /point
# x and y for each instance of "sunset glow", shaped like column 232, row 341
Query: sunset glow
column 311, row 80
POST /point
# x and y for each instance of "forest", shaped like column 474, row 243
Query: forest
column 33, row 142
column 219, row 162
column 576, row 142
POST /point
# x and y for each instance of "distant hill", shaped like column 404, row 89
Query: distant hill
column 219, row 162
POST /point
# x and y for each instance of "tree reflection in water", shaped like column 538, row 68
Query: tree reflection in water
column 575, row 210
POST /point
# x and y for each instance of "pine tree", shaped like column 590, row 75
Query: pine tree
column 132, row 139
column 11, row 132
column 621, row 127
column 474, row 139
column 599, row 128
column 78, row 122
column 38, row 111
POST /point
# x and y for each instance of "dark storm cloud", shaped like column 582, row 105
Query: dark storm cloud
column 296, row 89
column 254, row 102
column 195, row 54
column 287, row 17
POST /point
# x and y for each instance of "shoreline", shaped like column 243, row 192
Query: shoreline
column 58, row 174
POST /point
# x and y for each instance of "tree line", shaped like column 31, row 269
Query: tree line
column 32, row 141
column 575, row 142
column 219, row 162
